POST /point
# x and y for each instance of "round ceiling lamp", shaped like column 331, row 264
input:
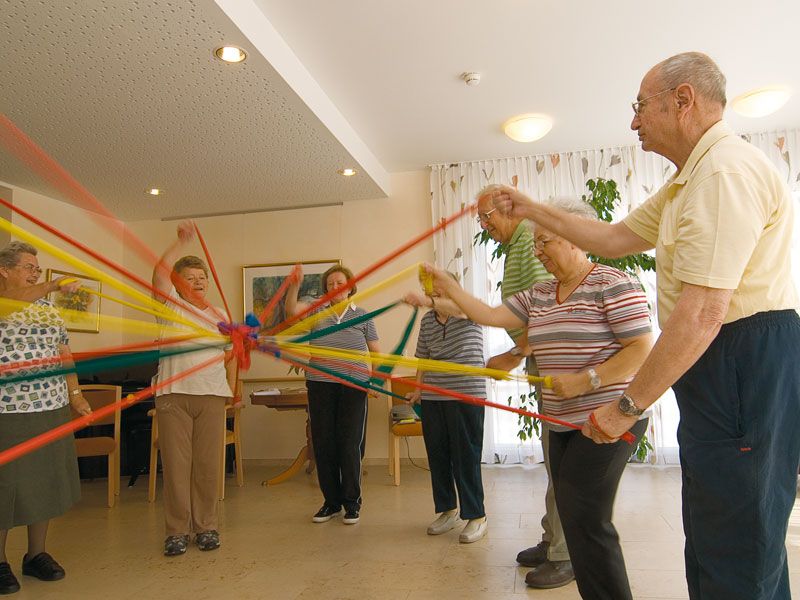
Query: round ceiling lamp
column 230, row 54
column 528, row 127
column 761, row 102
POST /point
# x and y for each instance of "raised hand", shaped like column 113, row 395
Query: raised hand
column 67, row 284
column 442, row 280
column 510, row 201
column 416, row 299
column 186, row 231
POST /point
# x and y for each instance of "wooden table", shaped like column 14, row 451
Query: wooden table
column 289, row 399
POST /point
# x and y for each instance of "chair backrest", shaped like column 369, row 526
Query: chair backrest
column 401, row 387
column 100, row 395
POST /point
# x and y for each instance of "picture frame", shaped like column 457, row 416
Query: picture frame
column 83, row 314
column 260, row 282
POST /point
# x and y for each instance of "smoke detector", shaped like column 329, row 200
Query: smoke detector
column 472, row 78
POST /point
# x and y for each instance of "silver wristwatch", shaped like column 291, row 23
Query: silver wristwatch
column 594, row 379
column 627, row 407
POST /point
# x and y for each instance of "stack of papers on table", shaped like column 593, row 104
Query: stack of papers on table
column 267, row 392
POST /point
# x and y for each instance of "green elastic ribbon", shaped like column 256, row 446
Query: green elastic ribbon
column 398, row 350
column 343, row 325
column 105, row 363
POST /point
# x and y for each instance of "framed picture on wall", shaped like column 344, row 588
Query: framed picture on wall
column 81, row 309
column 261, row 282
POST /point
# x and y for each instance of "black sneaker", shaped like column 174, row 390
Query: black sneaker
column 175, row 545
column 42, row 566
column 8, row 583
column 326, row 513
column 350, row 516
column 207, row 540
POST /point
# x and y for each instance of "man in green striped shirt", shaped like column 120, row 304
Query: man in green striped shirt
column 521, row 270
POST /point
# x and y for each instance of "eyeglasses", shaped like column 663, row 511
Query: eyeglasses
column 540, row 243
column 30, row 268
column 484, row 217
column 639, row 104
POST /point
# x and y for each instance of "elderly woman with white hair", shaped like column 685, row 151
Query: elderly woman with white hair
column 44, row 483
column 589, row 329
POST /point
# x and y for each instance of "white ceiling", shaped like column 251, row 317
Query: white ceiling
column 126, row 95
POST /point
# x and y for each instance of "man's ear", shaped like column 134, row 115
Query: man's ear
column 684, row 96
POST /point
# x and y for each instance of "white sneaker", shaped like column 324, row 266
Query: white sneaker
column 444, row 523
column 475, row 530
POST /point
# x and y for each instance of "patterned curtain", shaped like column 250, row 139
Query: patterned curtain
column 637, row 173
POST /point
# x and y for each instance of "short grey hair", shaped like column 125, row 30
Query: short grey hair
column 9, row 256
column 699, row 71
column 573, row 206
column 189, row 262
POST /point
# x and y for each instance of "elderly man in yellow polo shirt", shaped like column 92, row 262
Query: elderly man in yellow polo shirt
column 730, row 342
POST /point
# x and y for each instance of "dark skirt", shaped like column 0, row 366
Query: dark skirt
column 44, row 483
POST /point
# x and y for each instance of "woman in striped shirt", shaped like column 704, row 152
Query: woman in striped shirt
column 453, row 430
column 337, row 413
column 590, row 330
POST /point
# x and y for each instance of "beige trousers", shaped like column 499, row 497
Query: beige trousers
column 190, row 437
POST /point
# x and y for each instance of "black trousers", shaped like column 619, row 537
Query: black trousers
column 453, row 433
column 338, row 416
column 586, row 477
column 740, row 448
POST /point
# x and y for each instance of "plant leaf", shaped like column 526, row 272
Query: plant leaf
column 539, row 166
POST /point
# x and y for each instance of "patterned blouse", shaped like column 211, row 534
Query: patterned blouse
column 33, row 333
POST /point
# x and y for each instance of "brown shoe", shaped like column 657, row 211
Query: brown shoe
column 533, row 557
column 550, row 574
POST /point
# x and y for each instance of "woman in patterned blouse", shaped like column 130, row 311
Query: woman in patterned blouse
column 43, row 484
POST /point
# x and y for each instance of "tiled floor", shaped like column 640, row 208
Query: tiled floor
column 271, row 549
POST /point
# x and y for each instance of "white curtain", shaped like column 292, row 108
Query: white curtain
column 638, row 174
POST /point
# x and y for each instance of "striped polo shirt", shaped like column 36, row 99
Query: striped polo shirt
column 521, row 268
column 349, row 338
column 582, row 332
column 458, row 341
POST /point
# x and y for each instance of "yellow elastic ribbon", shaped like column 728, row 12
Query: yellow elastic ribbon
column 164, row 311
column 422, row 364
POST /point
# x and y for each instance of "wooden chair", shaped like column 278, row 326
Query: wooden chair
column 398, row 430
column 233, row 436
column 98, row 396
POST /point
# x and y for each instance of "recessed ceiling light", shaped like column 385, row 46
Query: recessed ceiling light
column 230, row 54
column 528, row 127
column 347, row 172
column 761, row 102
column 154, row 191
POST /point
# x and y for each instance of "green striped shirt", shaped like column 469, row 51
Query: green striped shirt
column 522, row 269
